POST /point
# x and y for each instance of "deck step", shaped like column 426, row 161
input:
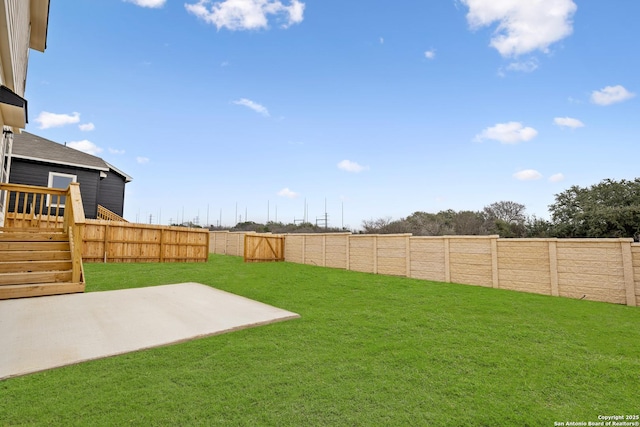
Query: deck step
column 32, row 229
column 35, row 262
column 36, row 255
column 39, row 289
column 34, row 246
column 29, row 236
column 32, row 266
column 35, row 277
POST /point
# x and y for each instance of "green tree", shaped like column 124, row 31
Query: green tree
column 429, row 224
column 469, row 223
column 538, row 227
column 608, row 209
column 505, row 218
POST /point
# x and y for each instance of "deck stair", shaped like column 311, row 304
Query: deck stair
column 36, row 262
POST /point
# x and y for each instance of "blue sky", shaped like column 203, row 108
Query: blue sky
column 378, row 109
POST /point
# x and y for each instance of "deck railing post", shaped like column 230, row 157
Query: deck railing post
column 74, row 221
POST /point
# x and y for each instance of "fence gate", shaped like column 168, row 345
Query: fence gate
column 261, row 248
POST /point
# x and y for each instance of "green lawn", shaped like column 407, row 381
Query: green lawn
column 369, row 350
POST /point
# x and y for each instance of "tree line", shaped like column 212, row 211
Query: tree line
column 607, row 209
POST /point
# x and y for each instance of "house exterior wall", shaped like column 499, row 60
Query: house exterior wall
column 14, row 44
column 35, row 173
column 111, row 193
column 5, row 165
column 18, row 18
column 14, row 53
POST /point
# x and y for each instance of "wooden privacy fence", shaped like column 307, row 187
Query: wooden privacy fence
column 111, row 241
column 228, row 242
column 605, row 270
column 263, row 248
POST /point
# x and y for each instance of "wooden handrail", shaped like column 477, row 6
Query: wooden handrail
column 106, row 214
column 21, row 188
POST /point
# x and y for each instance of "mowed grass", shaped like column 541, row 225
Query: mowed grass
column 369, row 350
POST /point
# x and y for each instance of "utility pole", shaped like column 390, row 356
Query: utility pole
column 326, row 220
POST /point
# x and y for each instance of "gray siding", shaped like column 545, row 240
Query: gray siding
column 111, row 193
column 34, row 173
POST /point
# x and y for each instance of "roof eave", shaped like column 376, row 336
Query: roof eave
column 126, row 177
column 57, row 162
column 39, row 24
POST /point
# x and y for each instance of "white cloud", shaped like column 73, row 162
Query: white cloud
column 148, row 3
column 86, row 127
column 142, row 160
column 381, row 40
column 430, row 54
column 527, row 175
column 115, row 151
column 85, row 146
column 507, row 133
column 285, row 192
column 556, row 177
column 610, row 95
column 52, row 120
column 528, row 66
column 568, row 122
column 349, row 166
column 253, row 105
column 523, row 25
column 247, row 14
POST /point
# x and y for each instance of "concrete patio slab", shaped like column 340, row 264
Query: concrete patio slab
column 47, row 332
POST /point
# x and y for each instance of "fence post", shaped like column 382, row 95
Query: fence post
column 553, row 267
column 161, row 245
column 375, row 254
column 324, row 250
column 494, row 262
column 447, row 262
column 407, row 255
column 627, row 262
column 106, row 243
column 348, row 252
column 304, row 249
